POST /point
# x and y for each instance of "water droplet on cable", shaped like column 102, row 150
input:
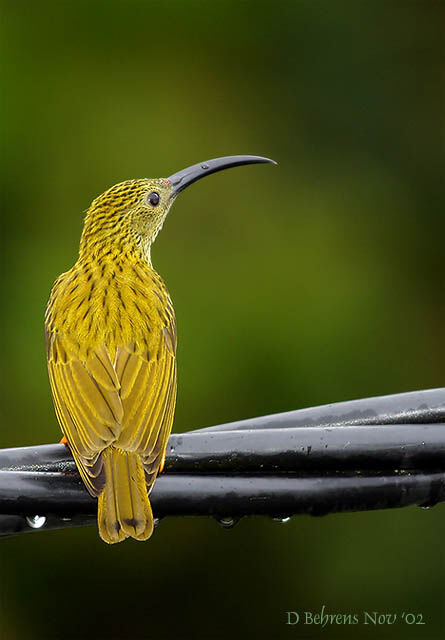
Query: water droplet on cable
column 36, row 522
column 429, row 504
column 228, row 522
column 282, row 520
column 204, row 166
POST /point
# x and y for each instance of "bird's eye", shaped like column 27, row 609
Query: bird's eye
column 153, row 198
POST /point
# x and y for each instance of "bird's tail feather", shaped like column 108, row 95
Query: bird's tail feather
column 124, row 508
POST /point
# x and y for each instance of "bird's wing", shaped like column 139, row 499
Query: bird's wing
column 87, row 402
column 148, row 393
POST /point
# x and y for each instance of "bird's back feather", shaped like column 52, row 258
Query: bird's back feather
column 112, row 368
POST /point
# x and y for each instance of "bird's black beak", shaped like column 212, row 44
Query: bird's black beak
column 184, row 178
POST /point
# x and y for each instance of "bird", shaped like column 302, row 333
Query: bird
column 110, row 334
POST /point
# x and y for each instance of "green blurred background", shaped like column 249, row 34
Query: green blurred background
column 312, row 282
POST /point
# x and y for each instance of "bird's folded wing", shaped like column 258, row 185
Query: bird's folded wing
column 88, row 404
column 148, row 394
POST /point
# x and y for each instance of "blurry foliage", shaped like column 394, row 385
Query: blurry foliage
column 315, row 281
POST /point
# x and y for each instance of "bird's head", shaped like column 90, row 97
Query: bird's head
column 130, row 215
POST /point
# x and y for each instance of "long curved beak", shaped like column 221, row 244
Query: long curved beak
column 184, row 178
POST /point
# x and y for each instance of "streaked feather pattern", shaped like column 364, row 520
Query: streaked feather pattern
column 111, row 349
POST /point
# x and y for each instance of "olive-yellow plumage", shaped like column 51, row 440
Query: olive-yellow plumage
column 111, row 343
column 111, row 348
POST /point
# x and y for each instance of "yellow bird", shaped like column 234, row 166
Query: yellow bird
column 110, row 335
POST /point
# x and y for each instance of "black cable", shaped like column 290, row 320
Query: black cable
column 414, row 407
column 275, row 465
column 225, row 497
column 377, row 447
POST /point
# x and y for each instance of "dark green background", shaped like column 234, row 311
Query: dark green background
column 315, row 281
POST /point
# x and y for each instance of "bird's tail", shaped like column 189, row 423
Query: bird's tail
column 124, row 508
